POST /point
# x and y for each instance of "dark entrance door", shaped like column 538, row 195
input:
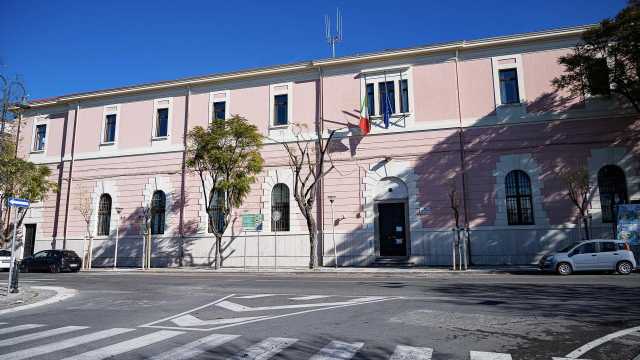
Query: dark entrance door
column 29, row 239
column 392, row 231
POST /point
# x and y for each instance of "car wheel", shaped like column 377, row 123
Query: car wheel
column 54, row 268
column 624, row 268
column 564, row 268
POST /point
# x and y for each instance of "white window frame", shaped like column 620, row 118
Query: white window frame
column 276, row 89
column 39, row 121
column 219, row 96
column 110, row 110
column 395, row 74
column 495, row 62
column 159, row 104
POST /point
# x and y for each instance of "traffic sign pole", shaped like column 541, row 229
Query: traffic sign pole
column 12, row 266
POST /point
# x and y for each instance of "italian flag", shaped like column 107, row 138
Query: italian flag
column 365, row 125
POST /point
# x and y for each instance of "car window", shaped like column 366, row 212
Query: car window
column 5, row 253
column 40, row 255
column 608, row 246
column 621, row 246
column 588, row 248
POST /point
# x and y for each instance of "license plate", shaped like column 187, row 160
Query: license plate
column 74, row 265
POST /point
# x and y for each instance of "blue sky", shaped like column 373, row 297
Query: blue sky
column 60, row 47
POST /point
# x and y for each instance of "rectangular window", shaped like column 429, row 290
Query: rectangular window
column 162, row 122
column 404, row 96
column 41, row 137
column 110, row 128
column 509, row 93
column 371, row 98
column 387, row 96
column 280, row 110
column 219, row 110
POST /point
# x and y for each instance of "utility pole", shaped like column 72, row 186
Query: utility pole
column 333, row 38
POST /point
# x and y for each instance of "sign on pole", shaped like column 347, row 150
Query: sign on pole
column 16, row 202
column 251, row 222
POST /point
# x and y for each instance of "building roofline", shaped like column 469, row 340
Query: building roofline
column 313, row 64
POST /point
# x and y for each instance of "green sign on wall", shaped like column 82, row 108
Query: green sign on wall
column 252, row 222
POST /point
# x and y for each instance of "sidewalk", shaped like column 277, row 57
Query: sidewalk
column 326, row 270
column 26, row 296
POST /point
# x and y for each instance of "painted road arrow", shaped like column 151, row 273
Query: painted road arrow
column 190, row 320
column 226, row 304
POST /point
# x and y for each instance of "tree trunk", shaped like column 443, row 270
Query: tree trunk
column 311, row 227
column 585, row 221
column 218, row 258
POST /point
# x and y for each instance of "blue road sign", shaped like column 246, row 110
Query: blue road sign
column 22, row 203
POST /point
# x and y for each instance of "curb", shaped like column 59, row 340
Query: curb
column 61, row 294
column 301, row 271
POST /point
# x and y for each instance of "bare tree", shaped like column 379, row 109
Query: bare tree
column 306, row 160
column 458, row 248
column 580, row 192
column 85, row 208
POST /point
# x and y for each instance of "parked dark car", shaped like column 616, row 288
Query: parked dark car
column 52, row 261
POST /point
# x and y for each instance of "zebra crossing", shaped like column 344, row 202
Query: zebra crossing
column 26, row 341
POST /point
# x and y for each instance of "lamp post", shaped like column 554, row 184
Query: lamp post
column 332, row 198
column 115, row 256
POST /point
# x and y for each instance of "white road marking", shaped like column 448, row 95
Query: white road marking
column 64, row 344
column 257, row 296
column 190, row 320
column 338, row 350
column 196, row 348
column 188, row 311
column 242, row 308
column 481, row 355
column 40, row 335
column 17, row 328
column 61, row 294
column 310, row 297
column 126, row 346
column 265, row 349
column 403, row 352
column 597, row 342
column 269, row 317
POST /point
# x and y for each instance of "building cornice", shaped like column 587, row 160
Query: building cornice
column 315, row 64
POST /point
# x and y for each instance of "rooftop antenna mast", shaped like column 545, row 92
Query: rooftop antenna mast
column 333, row 38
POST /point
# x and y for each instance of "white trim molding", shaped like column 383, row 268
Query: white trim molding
column 104, row 187
column 220, row 96
column 281, row 89
column 35, row 154
column 526, row 163
column 109, row 110
column 162, row 183
column 273, row 177
column 508, row 111
column 399, row 120
column 164, row 103
column 612, row 156
column 394, row 169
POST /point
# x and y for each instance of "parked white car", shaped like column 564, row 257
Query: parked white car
column 5, row 260
column 591, row 255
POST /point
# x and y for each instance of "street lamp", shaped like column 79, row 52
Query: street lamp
column 115, row 256
column 332, row 198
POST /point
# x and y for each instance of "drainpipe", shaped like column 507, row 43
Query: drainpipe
column 183, row 174
column 320, row 194
column 463, row 169
column 73, row 153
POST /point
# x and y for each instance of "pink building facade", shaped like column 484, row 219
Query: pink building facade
column 479, row 116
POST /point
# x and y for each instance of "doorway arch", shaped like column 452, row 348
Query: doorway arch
column 390, row 204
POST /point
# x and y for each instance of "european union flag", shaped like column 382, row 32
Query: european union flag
column 386, row 107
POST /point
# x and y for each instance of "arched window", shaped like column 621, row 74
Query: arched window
column 519, row 201
column 216, row 210
column 280, row 208
column 613, row 191
column 104, row 215
column 158, row 207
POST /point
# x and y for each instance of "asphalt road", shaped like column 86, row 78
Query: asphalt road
column 339, row 316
